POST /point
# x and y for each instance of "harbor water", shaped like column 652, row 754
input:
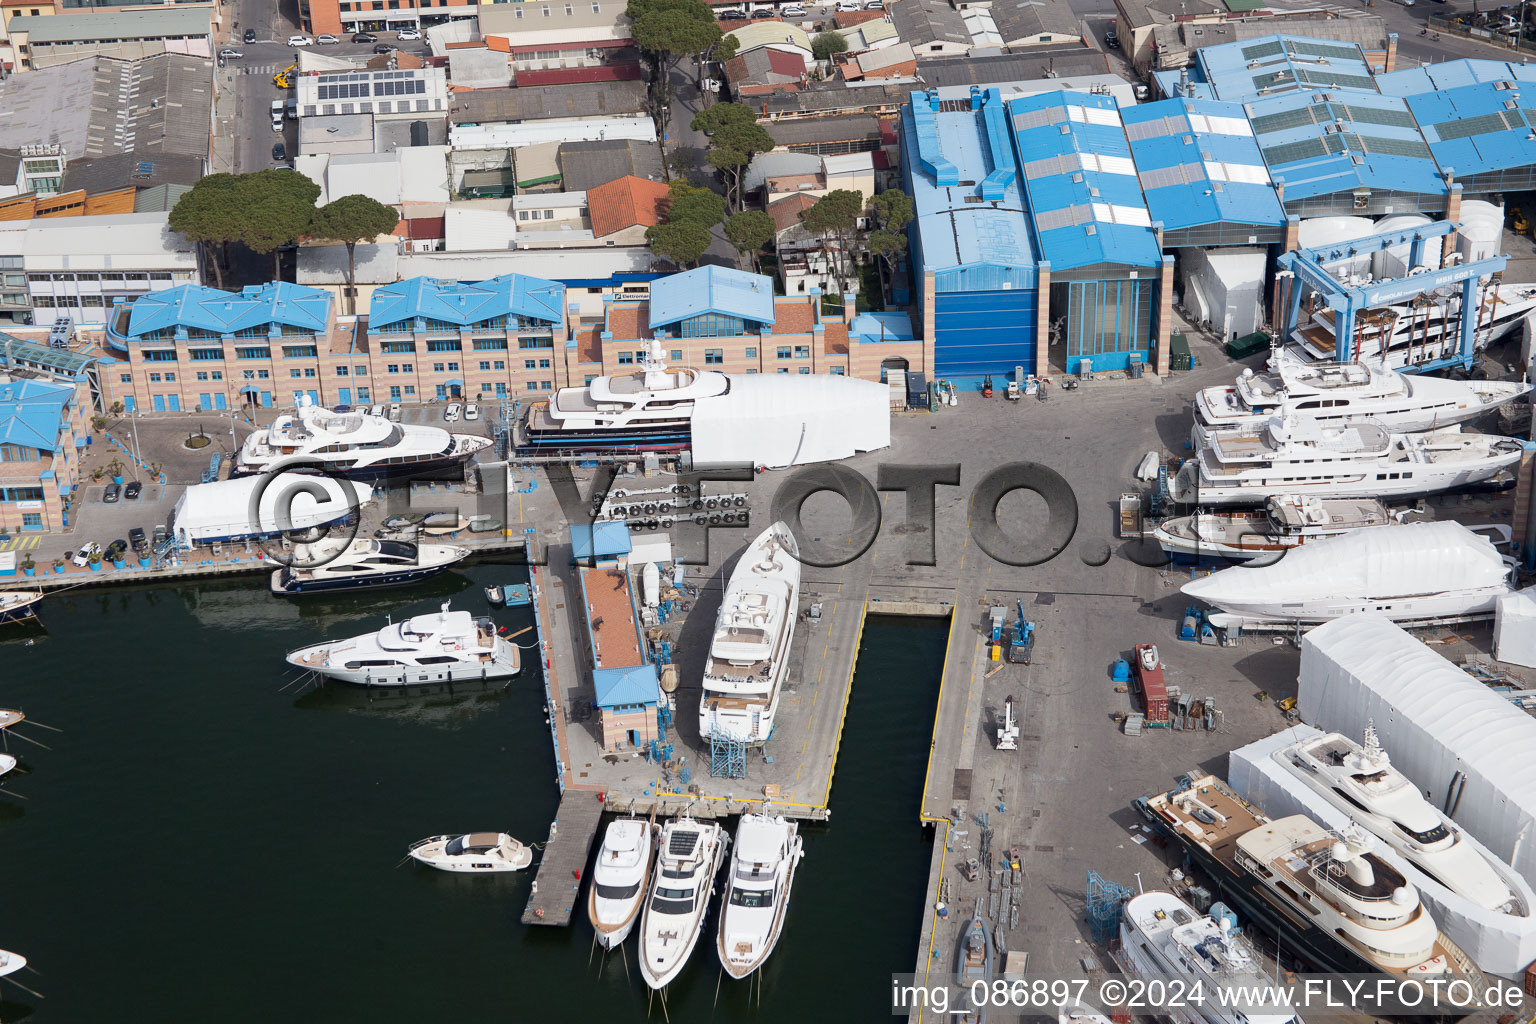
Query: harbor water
column 201, row 842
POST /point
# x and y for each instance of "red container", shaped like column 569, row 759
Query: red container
column 1149, row 677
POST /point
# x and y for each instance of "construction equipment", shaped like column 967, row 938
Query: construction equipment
column 1008, row 731
column 284, row 78
column 997, row 619
column 1023, row 642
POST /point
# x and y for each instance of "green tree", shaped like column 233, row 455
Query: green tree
column 735, row 138
column 211, row 213
column 350, row 220
column 825, row 44
column 667, row 31
column 835, row 220
column 683, row 242
column 749, row 231
column 280, row 206
column 689, row 215
column 893, row 211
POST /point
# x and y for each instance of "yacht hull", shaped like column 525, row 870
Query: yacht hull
column 670, row 438
column 450, row 466
column 371, row 581
column 21, row 610
column 412, row 676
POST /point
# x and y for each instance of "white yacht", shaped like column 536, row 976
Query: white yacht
column 7, row 764
column 1300, row 456
column 1361, row 782
column 473, row 853
column 19, row 605
column 757, row 891
column 650, row 409
column 620, row 879
column 1286, row 521
column 341, row 564
column 687, row 861
column 1421, row 330
column 10, row 962
column 441, row 647
column 1161, row 935
column 1418, row 572
column 354, row 444
column 1339, row 393
column 749, row 653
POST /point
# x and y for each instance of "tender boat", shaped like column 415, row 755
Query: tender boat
column 19, row 605
column 1337, row 907
column 973, row 963
column 689, row 858
column 10, row 962
column 10, row 717
column 757, row 891
column 1361, row 782
column 443, row 523
column 473, row 853
column 1341, row 393
column 444, row 647
column 1287, row 521
column 1418, row 572
column 496, row 595
column 749, row 653
column 1300, row 456
column 7, row 763
column 1163, row 936
column 362, row 563
column 620, row 879
column 355, row 444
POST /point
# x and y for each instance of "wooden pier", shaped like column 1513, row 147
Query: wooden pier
column 557, row 886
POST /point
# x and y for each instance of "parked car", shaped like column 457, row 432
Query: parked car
column 343, row 408
column 394, row 412
column 1111, row 40
column 847, row 5
column 731, row 15
column 250, row 36
column 83, row 556
column 277, row 124
column 471, row 412
column 326, row 39
column 299, row 40
column 230, row 53
column 112, row 493
column 407, row 34
column 874, row 5
column 451, row 412
column 137, row 538
column 279, row 152
column 762, row 12
column 384, row 48
column 377, row 410
column 159, row 534
column 794, row 12
column 364, row 37
column 133, row 490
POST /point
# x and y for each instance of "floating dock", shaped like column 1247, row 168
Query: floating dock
column 557, row 886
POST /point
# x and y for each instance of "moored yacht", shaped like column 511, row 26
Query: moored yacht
column 340, row 564
column 620, row 879
column 1337, row 906
column 1286, row 521
column 1361, row 782
column 440, row 647
column 354, row 444
column 757, row 891
column 1163, row 936
column 1338, row 393
column 1300, row 456
column 19, row 605
column 749, row 652
column 10, row 962
column 688, row 859
column 472, row 853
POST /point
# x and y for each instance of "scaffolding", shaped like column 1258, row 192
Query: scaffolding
column 502, row 431
column 727, row 757
column 1105, row 900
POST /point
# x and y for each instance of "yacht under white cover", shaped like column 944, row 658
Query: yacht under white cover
column 779, row 419
column 1498, row 943
column 1514, row 628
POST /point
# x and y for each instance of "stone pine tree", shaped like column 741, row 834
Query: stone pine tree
column 748, row 231
column 835, row 221
column 690, row 214
column 350, row 220
column 211, row 213
column 667, row 31
column 892, row 210
column 280, row 206
column 825, row 44
column 735, row 138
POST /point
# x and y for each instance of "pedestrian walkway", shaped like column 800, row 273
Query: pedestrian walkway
column 20, row 543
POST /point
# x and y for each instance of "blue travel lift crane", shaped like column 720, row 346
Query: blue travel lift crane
column 1023, row 639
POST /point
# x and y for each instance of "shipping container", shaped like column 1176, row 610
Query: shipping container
column 1179, row 357
column 1149, row 678
column 1247, row 345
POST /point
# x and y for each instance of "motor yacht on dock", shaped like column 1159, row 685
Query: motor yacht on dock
column 749, row 652
column 354, row 444
column 441, row 647
column 1286, row 521
column 620, row 879
column 472, row 853
column 1361, row 782
column 757, row 891
column 688, row 859
column 362, row 563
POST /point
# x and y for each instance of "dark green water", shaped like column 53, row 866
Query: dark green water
column 199, row 846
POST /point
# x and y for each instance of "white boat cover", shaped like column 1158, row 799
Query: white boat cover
column 1498, row 943
column 1225, row 286
column 228, row 509
column 1434, row 719
column 777, row 420
column 1514, row 628
column 1417, row 558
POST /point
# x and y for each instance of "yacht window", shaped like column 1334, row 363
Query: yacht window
column 671, row 873
column 673, row 901
column 618, row 892
column 751, row 898
column 1433, row 835
column 372, row 664
column 436, row 659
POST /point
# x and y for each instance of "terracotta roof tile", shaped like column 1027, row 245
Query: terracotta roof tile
column 786, row 212
column 627, row 321
column 836, row 343
column 793, row 316
column 624, row 203
column 589, row 347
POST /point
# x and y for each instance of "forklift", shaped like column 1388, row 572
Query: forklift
column 986, row 386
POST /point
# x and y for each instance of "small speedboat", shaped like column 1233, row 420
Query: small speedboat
column 7, row 762
column 472, row 853
column 10, row 717
column 484, row 524
column 10, row 962
column 441, row 524
column 496, row 595
column 404, row 521
column 620, row 879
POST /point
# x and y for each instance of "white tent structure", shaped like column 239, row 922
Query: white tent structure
column 1414, row 572
column 1225, row 286
column 779, row 420
column 1514, row 628
column 263, row 506
column 1463, row 743
column 1499, row 943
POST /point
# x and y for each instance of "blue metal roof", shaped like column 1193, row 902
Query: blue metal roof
column 1452, row 74
column 969, row 241
column 1192, row 78
column 1481, row 126
column 1199, row 164
column 711, row 289
column 1323, row 143
column 871, row 328
column 208, row 309
column 1083, row 192
column 634, row 685
column 1271, row 65
column 32, row 412
column 466, row 302
column 599, row 540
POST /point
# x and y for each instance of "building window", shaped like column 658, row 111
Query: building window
column 202, row 374
column 437, row 367
column 158, row 355
column 394, row 392
column 341, row 371
column 298, row 351
column 485, row 364
column 309, row 371
column 410, row 389
column 501, row 364
column 783, row 351
column 837, row 371
column 625, row 359
column 547, row 341
column 802, row 351
column 295, row 372
column 677, row 355
column 529, row 364
column 490, row 344
column 805, row 369
column 533, row 385
column 453, row 367
column 126, row 378
column 395, row 348
column 206, row 355
column 407, row 367
column 170, row 378
column 546, row 385
column 543, row 364
column 443, row 345
column 751, row 351
column 714, row 356
column 485, row 387
column 253, row 353
column 218, row 374
column 394, row 367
